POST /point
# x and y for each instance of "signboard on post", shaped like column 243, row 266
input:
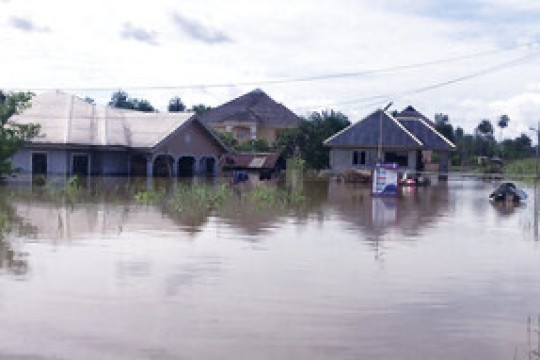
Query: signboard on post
column 385, row 180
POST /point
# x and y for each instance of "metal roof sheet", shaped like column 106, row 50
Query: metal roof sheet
column 67, row 119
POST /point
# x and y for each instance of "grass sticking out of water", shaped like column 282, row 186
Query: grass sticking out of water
column 271, row 197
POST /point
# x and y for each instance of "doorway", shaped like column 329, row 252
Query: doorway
column 80, row 165
column 39, row 164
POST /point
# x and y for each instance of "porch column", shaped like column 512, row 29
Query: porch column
column 175, row 167
column 149, row 172
column 412, row 160
column 444, row 160
column 149, row 166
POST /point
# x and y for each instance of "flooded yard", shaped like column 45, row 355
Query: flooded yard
column 439, row 273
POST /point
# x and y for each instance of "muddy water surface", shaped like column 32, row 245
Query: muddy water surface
column 439, row 273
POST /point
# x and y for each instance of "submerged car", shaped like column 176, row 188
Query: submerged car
column 508, row 192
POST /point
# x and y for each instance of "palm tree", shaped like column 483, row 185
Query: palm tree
column 502, row 123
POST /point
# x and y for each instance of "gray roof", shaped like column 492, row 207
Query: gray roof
column 255, row 106
column 67, row 119
column 400, row 133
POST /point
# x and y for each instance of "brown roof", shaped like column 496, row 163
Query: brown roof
column 255, row 106
column 250, row 161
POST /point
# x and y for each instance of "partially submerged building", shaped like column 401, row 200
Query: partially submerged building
column 252, row 116
column 79, row 138
column 407, row 138
column 264, row 165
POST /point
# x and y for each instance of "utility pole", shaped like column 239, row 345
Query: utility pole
column 537, row 130
column 379, row 149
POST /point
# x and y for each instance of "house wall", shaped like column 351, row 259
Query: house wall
column 113, row 163
column 59, row 162
column 267, row 133
column 270, row 134
column 342, row 159
column 192, row 140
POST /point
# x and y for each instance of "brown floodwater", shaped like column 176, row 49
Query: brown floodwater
column 439, row 273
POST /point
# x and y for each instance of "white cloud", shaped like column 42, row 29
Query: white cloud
column 270, row 40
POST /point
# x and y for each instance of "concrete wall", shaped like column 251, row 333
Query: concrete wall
column 268, row 134
column 342, row 159
column 193, row 140
column 57, row 160
column 112, row 163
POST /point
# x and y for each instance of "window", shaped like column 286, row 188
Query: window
column 359, row 158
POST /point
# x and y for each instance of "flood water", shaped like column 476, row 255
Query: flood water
column 439, row 273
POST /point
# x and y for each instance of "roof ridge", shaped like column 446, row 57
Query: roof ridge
column 438, row 133
column 325, row 142
column 404, row 128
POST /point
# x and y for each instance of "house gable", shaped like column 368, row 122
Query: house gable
column 366, row 133
column 192, row 138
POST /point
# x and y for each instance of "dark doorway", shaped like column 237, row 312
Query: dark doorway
column 401, row 159
column 80, row 165
column 186, row 166
column 210, row 166
column 137, row 165
column 163, row 165
column 39, row 164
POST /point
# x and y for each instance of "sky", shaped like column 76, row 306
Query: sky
column 471, row 59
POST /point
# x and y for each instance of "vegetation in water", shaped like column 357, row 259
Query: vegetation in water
column 521, row 167
column 272, row 197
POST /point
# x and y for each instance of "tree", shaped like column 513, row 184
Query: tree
column 443, row 126
column 176, row 105
column 308, row 137
column 485, row 128
column 519, row 147
column 503, row 123
column 258, row 145
column 121, row 100
column 143, row 105
column 12, row 135
column 200, row 109
column 89, row 100
column 227, row 138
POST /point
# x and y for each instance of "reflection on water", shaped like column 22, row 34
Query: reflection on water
column 437, row 273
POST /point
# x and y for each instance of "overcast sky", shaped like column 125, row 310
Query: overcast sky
column 143, row 46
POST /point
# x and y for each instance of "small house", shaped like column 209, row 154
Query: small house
column 264, row 165
column 407, row 138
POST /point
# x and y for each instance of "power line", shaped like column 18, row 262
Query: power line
column 397, row 95
column 295, row 80
column 378, row 99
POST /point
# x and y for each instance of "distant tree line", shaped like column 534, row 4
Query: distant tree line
column 121, row 100
column 482, row 141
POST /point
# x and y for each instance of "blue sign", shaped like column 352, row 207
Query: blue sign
column 385, row 180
